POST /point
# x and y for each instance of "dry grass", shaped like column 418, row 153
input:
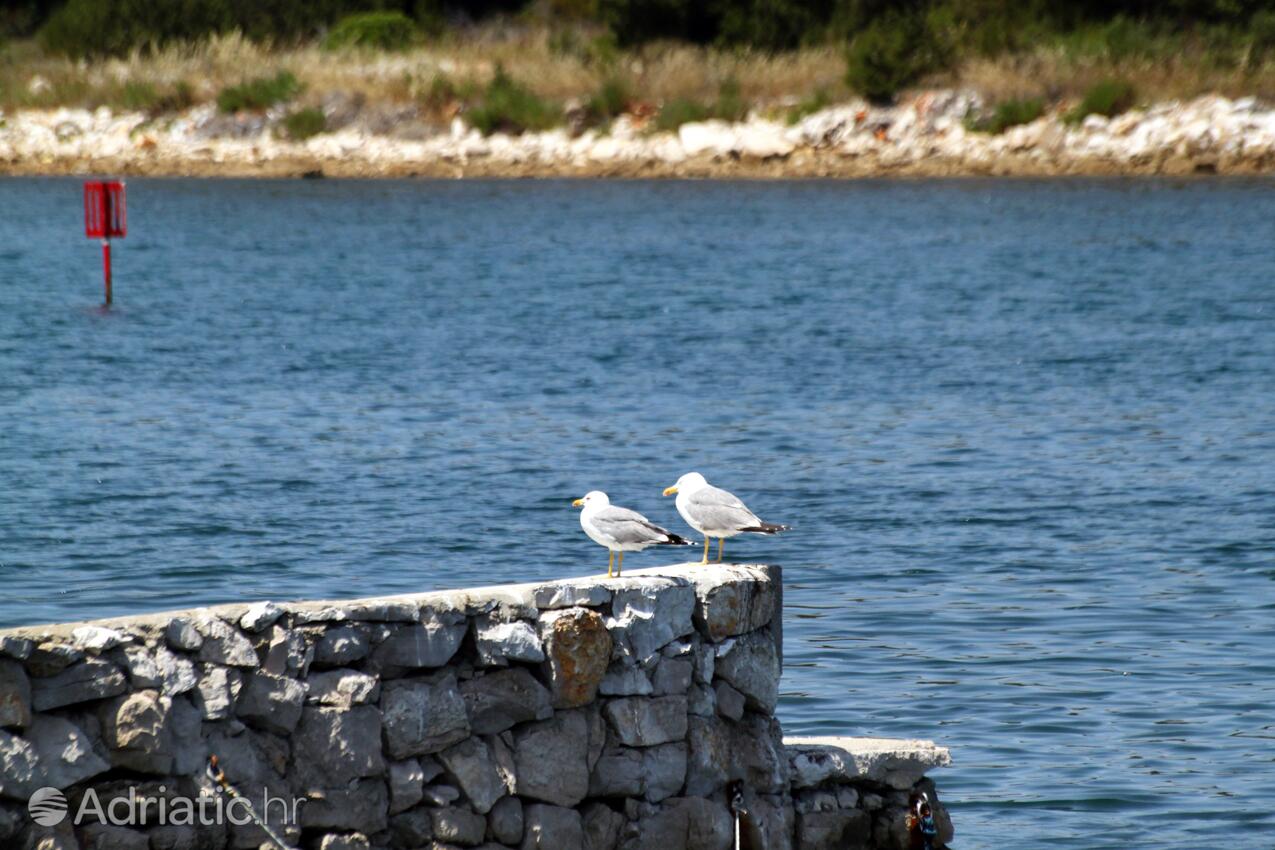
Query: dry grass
column 1052, row 74
column 559, row 71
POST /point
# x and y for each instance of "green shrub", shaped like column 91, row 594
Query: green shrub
column 509, row 107
column 681, row 111
column 1009, row 113
column 304, row 123
column 1109, row 98
column 729, row 106
column 260, row 93
column 894, row 51
column 809, row 106
column 373, row 30
column 608, row 102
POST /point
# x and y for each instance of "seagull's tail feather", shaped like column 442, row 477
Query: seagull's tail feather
column 676, row 540
column 766, row 528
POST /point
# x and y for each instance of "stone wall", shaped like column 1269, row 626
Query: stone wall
column 589, row 714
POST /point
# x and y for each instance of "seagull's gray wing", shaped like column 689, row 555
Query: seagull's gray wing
column 715, row 508
column 628, row 527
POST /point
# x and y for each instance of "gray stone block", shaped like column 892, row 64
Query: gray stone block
column 406, row 779
column 499, row 642
column 271, row 702
column 672, row 676
column 471, row 766
column 182, row 634
column 458, row 826
column 552, row 828
column 552, row 759
column 360, row 806
column 332, row 747
column 730, row 702
column 49, row 658
column 504, row 821
column 423, row 716
column 341, row 645
column 429, row 643
column 624, row 678
column 647, row 721
column 654, row 773
column 752, row 668
column 411, row 830
column 90, row 679
column 224, row 644
column 652, row 614
column 51, row 752
column 15, row 696
column 218, row 689
column 499, row 700
column 602, row 826
column 342, row 688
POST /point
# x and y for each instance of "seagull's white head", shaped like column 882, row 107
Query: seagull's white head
column 688, row 483
column 593, row 499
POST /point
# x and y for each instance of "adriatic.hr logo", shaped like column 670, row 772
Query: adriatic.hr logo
column 47, row 807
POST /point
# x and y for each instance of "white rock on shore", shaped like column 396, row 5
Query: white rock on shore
column 927, row 126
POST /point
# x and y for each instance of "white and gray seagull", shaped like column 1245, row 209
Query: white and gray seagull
column 620, row 529
column 713, row 512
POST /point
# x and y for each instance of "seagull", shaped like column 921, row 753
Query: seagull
column 715, row 513
column 620, row 529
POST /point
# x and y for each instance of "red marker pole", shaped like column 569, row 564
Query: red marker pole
column 106, row 268
column 104, row 217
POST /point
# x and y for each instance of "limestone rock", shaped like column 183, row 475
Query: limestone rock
column 458, row 826
column 571, row 594
column 15, row 696
column 217, row 691
column 552, row 759
column 100, row 836
column 271, row 702
column 52, row 752
column 441, row 794
column 406, row 779
column 423, row 715
column 471, row 765
column 342, row 688
column 159, row 668
column 259, row 616
column 96, row 639
column 90, row 679
column 341, row 645
column 578, row 651
column 701, row 700
column 752, row 668
column 136, row 729
column 504, row 821
column 647, row 721
column 742, row 601
column 182, row 634
column 332, row 747
column 499, row 643
column 430, row 643
column 16, row 647
column 884, row 761
column 49, row 659
column 224, row 644
column 552, row 828
column 497, row 701
column 653, row 613
column 685, row 823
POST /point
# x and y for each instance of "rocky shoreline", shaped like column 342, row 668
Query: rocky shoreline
column 923, row 136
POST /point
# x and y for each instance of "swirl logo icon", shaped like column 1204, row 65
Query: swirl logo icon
column 47, row 807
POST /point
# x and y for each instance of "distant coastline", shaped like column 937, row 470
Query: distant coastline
column 925, row 135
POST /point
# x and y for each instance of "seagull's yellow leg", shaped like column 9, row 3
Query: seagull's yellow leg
column 721, row 547
column 619, row 567
column 706, row 541
column 610, row 561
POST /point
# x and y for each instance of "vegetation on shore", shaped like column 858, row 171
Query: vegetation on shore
column 510, row 65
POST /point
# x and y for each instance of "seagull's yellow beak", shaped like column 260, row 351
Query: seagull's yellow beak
column 669, row 491
column 577, row 503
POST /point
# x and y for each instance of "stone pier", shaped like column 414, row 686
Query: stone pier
column 584, row 714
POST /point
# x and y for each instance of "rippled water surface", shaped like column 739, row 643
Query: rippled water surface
column 1025, row 433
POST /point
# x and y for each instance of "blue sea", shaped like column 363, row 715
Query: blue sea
column 1024, row 433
